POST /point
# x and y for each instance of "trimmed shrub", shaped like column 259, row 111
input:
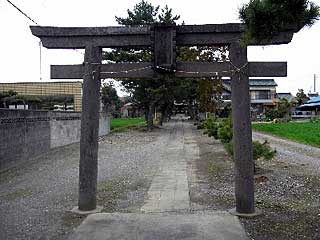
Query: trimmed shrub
column 225, row 133
column 262, row 150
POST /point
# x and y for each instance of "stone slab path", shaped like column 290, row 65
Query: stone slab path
column 160, row 226
column 169, row 189
column 166, row 213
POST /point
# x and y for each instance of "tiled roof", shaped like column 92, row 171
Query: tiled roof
column 314, row 100
column 256, row 82
column 287, row 96
column 262, row 82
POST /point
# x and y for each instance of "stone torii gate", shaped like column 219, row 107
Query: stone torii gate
column 162, row 39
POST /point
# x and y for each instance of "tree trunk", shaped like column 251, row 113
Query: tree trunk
column 191, row 111
column 150, row 117
column 161, row 118
column 146, row 113
column 164, row 114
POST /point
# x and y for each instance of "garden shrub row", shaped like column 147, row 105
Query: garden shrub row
column 222, row 130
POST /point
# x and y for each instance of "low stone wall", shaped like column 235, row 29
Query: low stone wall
column 27, row 133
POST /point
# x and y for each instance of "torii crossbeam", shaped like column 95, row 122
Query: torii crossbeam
column 162, row 39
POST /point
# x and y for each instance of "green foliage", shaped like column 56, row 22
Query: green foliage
column 9, row 93
column 35, row 102
column 259, row 150
column 146, row 93
column 110, row 99
column 282, row 110
column 271, row 114
column 225, row 133
column 122, row 124
column 5, row 97
column 283, row 107
column 209, row 95
column 219, row 130
column 315, row 120
column 262, row 150
column 265, row 18
column 301, row 97
column 167, row 17
column 211, row 127
column 143, row 13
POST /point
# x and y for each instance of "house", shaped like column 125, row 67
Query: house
column 262, row 92
column 288, row 96
column 130, row 110
column 312, row 105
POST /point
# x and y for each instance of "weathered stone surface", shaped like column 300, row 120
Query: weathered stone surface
column 160, row 226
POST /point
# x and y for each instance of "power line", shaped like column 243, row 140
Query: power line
column 40, row 44
column 23, row 13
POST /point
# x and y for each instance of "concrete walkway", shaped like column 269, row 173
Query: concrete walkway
column 160, row 226
column 166, row 213
column 169, row 189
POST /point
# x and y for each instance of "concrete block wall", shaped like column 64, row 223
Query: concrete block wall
column 64, row 128
column 26, row 133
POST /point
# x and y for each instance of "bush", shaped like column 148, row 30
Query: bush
column 315, row 120
column 222, row 130
column 272, row 114
column 225, row 133
column 211, row 127
column 260, row 150
column 229, row 148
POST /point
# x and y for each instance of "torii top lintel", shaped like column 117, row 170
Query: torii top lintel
column 163, row 39
column 140, row 36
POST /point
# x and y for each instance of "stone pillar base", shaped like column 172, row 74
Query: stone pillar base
column 234, row 212
column 98, row 209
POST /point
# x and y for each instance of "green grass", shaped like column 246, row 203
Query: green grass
column 19, row 193
column 122, row 124
column 306, row 133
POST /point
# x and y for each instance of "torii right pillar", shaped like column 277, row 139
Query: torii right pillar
column 242, row 133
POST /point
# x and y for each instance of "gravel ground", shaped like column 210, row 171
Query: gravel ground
column 35, row 198
column 292, row 152
column 287, row 189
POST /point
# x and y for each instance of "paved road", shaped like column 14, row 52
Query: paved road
column 292, row 152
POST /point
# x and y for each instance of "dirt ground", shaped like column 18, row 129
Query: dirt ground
column 287, row 194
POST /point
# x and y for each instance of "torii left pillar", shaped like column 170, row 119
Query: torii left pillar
column 88, row 168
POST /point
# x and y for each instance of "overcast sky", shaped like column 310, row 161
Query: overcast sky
column 19, row 49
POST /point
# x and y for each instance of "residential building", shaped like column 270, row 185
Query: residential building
column 288, row 96
column 262, row 92
column 48, row 89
